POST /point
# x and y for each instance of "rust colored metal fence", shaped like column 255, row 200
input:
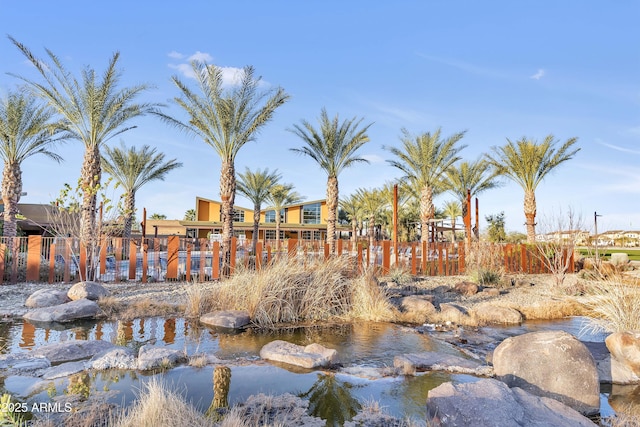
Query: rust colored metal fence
column 174, row 258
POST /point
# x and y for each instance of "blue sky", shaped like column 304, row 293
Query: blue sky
column 498, row 69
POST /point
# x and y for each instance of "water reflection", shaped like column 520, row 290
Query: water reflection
column 332, row 400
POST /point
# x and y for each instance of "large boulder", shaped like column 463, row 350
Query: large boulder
column 619, row 258
column 466, row 288
column 418, row 305
column 493, row 314
column 46, row 298
column 151, row 357
column 625, row 357
column 232, row 319
column 114, row 358
column 68, row 351
column 68, row 312
column 489, row 403
column 311, row 356
column 551, row 364
column 452, row 313
column 89, row 290
column 63, row 370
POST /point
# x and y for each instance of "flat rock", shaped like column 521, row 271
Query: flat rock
column 150, row 357
column 114, row 358
column 63, row 370
column 489, row 313
column 490, row 403
column 72, row 350
column 89, row 290
column 68, row 312
column 311, row 356
column 411, row 363
column 46, row 298
column 232, row 319
column 23, row 363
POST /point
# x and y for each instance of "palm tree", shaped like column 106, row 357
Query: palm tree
column 475, row 177
column 190, row 215
column 132, row 169
column 25, row 130
column 93, row 110
column 453, row 210
column 226, row 119
column 424, row 159
column 372, row 203
column 527, row 162
column 281, row 195
column 334, row 148
column 353, row 209
column 256, row 186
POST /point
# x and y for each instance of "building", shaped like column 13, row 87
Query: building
column 302, row 221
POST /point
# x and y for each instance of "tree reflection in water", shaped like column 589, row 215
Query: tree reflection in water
column 331, row 399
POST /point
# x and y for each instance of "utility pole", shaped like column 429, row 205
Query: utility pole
column 595, row 223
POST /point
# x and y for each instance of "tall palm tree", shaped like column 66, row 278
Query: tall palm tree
column 132, row 169
column 453, row 210
column 424, row 159
column 372, row 202
column 256, row 186
column 527, row 162
column 280, row 196
column 25, row 130
column 226, row 118
column 333, row 146
column 353, row 209
column 476, row 176
column 93, row 110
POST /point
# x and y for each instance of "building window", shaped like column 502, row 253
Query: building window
column 238, row 215
column 271, row 234
column 310, row 235
column 311, row 214
column 270, row 216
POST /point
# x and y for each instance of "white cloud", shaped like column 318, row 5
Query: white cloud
column 175, row 55
column 538, row 75
column 201, row 56
column 618, row 148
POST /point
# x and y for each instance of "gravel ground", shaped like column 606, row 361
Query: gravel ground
column 533, row 289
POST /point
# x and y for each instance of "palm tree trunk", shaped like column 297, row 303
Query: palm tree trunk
column 11, row 189
column 427, row 211
column 91, row 177
column 332, row 209
column 228, row 195
column 372, row 231
column 256, row 228
column 354, row 237
column 530, row 214
column 277, row 230
column 129, row 209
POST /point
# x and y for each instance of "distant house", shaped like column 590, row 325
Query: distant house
column 33, row 219
column 578, row 237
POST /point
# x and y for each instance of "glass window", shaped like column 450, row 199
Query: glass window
column 310, row 235
column 271, row 234
column 311, row 214
column 238, row 215
column 270, row 216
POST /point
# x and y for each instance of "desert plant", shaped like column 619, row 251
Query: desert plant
column 400, row 275
column 12, row 413
column 199, row 300
column 613, row 306
column 485, row 263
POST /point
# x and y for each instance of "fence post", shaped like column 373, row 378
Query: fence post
column 292, row 248
column 82, row 270
column 425, row 256
column 133, row 258
column 523, row 259
column 439, row 248
column 173, row 246
column 326, row 251
column 145, row 260
column 34, row 251
column 359, row 258
column 258, row 256
column 386, row 256
column 52, row 261
column 339, row 247
column 234, row 250
column 462, row 266
column 187, row 267
column 215, row 262
column 414, row 261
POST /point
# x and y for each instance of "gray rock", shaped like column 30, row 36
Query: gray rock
column 232, row 319
column 452, row 313
column 89, row 290
column 466, row 288
column 23, row 363
column 489, row 313
column 114, row 358
column 619, row 258
column 46, row 298
column 409, row 364
column 418, row 304
column 491, row 292
column 72, row 350
column 63, row 370
column 551, row 364
column 150, row 357
column 68, row 312
column 311, row 356
column 490, row 403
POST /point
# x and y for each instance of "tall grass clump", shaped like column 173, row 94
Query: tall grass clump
column 198, row 300
column 613, row 306
column 485, row 263
column 289, row 291
column 157, row 405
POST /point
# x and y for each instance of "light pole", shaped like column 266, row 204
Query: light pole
column 595, row 223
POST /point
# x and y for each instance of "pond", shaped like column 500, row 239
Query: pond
column 335, row 396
